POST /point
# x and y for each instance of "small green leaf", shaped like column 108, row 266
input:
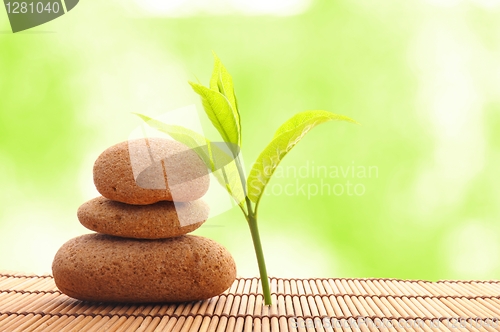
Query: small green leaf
column 286, row 137
column 228, row 176
column 214, row 79
column 220, row 162
column 186, row 136
column 225, row 85
column 220, row 113
column 222, row 82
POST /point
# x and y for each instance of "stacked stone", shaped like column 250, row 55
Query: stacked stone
column 141, row 251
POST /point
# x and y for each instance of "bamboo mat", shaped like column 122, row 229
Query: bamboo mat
column 33, row 303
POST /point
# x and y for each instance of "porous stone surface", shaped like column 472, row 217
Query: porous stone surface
column 155, row 221
column 148, row 170
column 104, row 268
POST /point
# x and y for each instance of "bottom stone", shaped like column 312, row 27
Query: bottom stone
column 104, row 268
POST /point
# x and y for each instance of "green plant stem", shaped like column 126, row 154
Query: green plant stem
column 251, row 216
column 254, row 229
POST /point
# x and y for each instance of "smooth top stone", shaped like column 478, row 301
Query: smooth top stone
column 156, row 221
column 149, row 170
column 104, row 268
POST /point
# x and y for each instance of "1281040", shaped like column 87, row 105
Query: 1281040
column 32, row 7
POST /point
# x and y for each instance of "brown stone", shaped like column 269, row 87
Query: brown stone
column 149, row 170
column 155, row 221
column 104, row 268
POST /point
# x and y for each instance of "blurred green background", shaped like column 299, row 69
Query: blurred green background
column 423, row 78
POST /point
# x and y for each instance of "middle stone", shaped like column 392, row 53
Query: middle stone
column 155, row 221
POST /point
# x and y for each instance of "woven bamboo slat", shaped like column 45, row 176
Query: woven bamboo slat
column 33, row 303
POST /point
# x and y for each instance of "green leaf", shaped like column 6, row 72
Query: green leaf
column 214, row 79
column 229, row 177
column 286, row 137
column 220, row 162
column 186, row 136
column 222, row 82
column 220, row 113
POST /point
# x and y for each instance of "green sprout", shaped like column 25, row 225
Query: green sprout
column 223, row 160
